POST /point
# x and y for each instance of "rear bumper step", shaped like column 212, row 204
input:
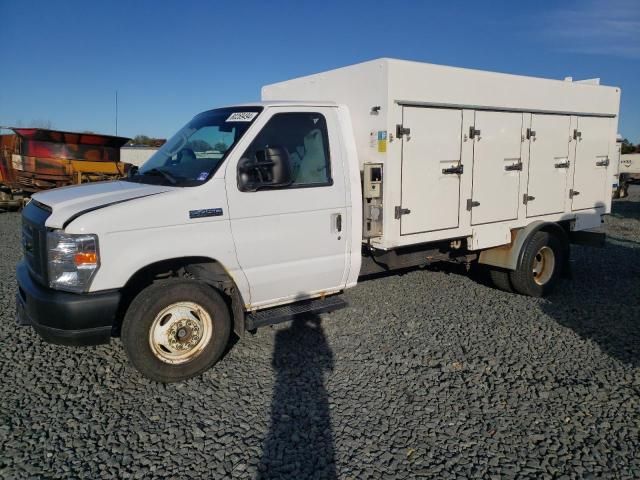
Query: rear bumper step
column 271, row 316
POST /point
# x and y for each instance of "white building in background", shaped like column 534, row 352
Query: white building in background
column 136, row 155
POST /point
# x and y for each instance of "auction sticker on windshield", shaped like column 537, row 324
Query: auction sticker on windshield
column 242, row 116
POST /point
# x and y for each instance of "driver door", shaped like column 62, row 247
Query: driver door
column 291, row 241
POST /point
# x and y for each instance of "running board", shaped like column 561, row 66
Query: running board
column 274, row 315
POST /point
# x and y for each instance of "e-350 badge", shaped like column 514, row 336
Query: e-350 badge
column 206, row 212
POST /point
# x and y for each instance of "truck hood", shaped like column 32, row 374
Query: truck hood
column 67, row 203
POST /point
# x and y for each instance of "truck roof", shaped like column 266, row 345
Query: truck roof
column 285, row 103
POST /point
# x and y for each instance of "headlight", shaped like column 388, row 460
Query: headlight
column 72, row 260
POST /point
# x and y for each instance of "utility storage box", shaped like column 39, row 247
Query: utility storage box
column 470, row 154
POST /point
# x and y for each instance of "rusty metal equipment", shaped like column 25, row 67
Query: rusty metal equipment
column 35, row 159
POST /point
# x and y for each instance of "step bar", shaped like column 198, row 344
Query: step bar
column 272, row 316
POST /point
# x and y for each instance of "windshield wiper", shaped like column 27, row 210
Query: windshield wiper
column 158, row 171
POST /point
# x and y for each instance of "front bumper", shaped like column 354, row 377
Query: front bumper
column 65, row 318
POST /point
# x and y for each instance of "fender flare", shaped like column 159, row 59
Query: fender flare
column 510, row 256
column 204, row 269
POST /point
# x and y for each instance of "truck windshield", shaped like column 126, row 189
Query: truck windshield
column 192, row 155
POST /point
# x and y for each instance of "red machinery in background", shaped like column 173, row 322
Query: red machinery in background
column 34, row 159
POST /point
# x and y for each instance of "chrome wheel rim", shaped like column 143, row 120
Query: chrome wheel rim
column 544, row 263
column 180, row 332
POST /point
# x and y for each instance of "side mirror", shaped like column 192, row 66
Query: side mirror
column 278, row 158
column 270, row 169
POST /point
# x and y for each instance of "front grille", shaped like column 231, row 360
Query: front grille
column 34, row 239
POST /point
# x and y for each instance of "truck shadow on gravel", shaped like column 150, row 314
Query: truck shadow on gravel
column 626, row 209
column 299, row 443
column 601, row 303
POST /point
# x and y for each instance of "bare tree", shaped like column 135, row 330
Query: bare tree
column 39, row 123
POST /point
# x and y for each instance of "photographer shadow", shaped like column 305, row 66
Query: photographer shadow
column 299, row 443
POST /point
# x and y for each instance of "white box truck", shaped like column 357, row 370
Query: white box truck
column 628, row 173
column 254, row 214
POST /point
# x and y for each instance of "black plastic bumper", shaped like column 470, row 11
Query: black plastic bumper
column 65, row 318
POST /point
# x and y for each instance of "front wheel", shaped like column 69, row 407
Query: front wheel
column 176, row 329
column 539, row 269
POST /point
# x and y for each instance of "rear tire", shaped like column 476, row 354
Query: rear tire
column 542, row 259
column 500, row 279
column 176, row 329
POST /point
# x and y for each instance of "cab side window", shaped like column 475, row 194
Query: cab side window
column 304, row 137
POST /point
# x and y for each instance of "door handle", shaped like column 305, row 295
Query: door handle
column 562, row 164
column 339, row 222
column 449, row 171
column 471, row 204
column 603, row 163
column 514, row 167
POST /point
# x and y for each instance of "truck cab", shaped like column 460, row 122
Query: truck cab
column 245, row 208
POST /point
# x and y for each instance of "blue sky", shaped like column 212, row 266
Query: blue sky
column 63, row 61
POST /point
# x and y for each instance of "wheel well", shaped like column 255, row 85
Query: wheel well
column 560, row 230
column 205, row 269
column 509, row 256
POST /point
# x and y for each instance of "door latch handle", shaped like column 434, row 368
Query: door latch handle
column 399, row 211
column 603, row 163
column 562, row 164
column 402, row 130
column 471, row 204
column 514, row 167
column 339, row 222
column 457, row 170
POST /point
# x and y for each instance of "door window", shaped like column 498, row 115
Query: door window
column 304, row 138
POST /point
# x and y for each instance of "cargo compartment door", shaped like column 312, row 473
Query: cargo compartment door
column 590, row 179
column 430, row 169
column 548, row 164
column 497, row 165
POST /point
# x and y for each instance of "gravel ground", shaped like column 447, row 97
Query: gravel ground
column 427, row 374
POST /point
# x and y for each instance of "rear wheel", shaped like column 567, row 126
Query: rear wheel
column 176, row 329
column 500, row 279
column 540, row 265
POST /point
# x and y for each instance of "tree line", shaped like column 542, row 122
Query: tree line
column 628, row 147
column 147, row 141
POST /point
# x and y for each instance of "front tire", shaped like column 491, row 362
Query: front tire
column 541, row 263
column 176, row 329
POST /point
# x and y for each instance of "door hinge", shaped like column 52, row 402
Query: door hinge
column 577, row 134
column 527, row 198
column 473, row 133
column 531, row 134
column 471, row 204
column 573, row 193
column 449, row 171
column 401, row 211
column 400, row 131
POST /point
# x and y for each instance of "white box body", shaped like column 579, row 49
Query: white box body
column 544, row 149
